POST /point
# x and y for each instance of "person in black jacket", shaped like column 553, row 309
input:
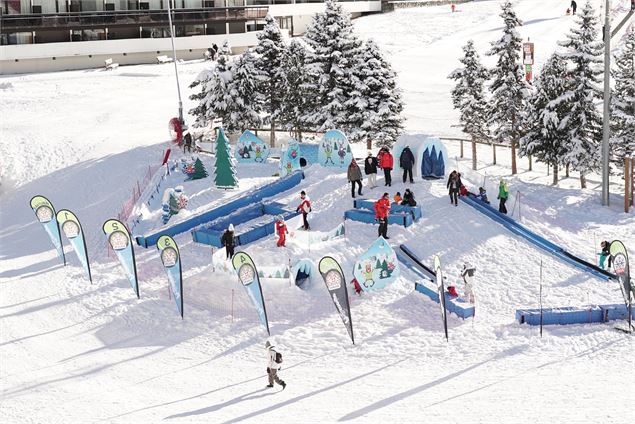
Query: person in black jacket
column 407, row 161
column 574, row 6
column 229, row 241
column 454, row 185
column 408, row 198
column 370, row 169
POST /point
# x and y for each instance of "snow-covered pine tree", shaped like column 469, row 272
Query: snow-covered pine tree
column 468, row 96
column 330, row 67
column 244, row 112
column 583, row 122
column 509, row 88
column 543, row 137
column 214, row 98
column 295, row 99
column 623, row 104
column 270, row 49
column 378, row 105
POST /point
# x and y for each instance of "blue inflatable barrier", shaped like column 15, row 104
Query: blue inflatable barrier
column 253, row 196
column 212, row 233
column 573, row 315
column 415, row 211
column 537, row 240
column 428, row 287
column 368, row 217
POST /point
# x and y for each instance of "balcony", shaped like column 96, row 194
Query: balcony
column 126, row 18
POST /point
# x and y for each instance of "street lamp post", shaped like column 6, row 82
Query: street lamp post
column 176, row 71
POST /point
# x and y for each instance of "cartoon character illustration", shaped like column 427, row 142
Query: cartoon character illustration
column 341, row 152
column 294, row 152
column 368, row 275
column 258, row 154
column 328, row 151
column 289, row 167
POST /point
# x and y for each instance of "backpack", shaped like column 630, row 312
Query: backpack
column 278, row 359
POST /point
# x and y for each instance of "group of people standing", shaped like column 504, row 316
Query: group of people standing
column 456, row 188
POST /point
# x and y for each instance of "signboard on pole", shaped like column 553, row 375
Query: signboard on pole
column 528, row 59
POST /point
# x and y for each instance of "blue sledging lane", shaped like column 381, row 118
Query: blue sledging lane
column 537, row 240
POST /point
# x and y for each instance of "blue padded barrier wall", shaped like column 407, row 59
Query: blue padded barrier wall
column 415, row 211
column 368, row 217
column 573, row 315
column 537, row 240
column 211, row 233
column 452, row 304
column 253, row 196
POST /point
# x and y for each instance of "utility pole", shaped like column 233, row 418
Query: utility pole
column 607, row 102
column 176, row 71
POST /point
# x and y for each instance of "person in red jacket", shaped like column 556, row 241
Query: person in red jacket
column 305, row 208
column 386, row 162
column 281, row 230
column 382, row 208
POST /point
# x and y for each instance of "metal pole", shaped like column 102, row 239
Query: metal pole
column 176, row 71
column 541, row 298
column 607, row 97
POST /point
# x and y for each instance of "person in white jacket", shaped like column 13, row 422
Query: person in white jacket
column 467, row 273
column 273, row 367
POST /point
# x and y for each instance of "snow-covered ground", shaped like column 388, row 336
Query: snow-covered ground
column 75, row 352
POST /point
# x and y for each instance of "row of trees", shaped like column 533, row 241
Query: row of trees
column 556, row 120
column 330, row 79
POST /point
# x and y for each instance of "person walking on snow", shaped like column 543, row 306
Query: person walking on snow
column 355, row 177
column 281, row 230
column 273, row 366
column 574, row 6
column 454, row 185
column 305, row 208
column 407, row 161
column 382, row 209
column 386, row 163
column 503, row 194
column 229, row 241
column 370, row 169
column 467, row 273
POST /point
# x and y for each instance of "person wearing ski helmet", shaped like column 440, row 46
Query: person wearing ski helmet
column 273, row 366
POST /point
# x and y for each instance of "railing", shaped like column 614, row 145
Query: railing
column 77, row 20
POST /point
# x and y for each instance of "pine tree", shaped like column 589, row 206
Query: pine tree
column 214, row 98
column 224, row 171
column 543, row 138
column 376, row 109
column 199, row 170
column 244, row 112
column 583, row 121
column 295, row 99
column 509, row 88
column 623, row 104
column 270, row 50
column 468, row 96
column 330, row 67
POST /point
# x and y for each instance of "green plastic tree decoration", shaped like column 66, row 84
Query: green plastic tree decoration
column 199, row 170
column 224, row 171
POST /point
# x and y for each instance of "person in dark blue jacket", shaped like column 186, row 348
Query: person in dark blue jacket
column 407, row 161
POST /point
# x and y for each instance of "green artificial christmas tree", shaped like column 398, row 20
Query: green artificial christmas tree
column 199, row 170
column 224, row 171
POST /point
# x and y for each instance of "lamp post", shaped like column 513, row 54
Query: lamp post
column 607, row 101
column 176, row 71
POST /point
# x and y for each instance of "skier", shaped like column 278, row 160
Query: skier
column 305, row 208
column 503, row 193
column 453, row 185
column 187, row 142
column 407, row 161
column 229, row 241
column 408, row 198
column 382, row 208
column 467, row 273
column 273, row 367
column 574, row 6
column 370, row 169
column 386, row 162
column 605, row 253
column 482, row 195
column 281, row 230
column 355, row 177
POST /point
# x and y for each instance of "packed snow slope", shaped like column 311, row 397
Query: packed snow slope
column 75, row 352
